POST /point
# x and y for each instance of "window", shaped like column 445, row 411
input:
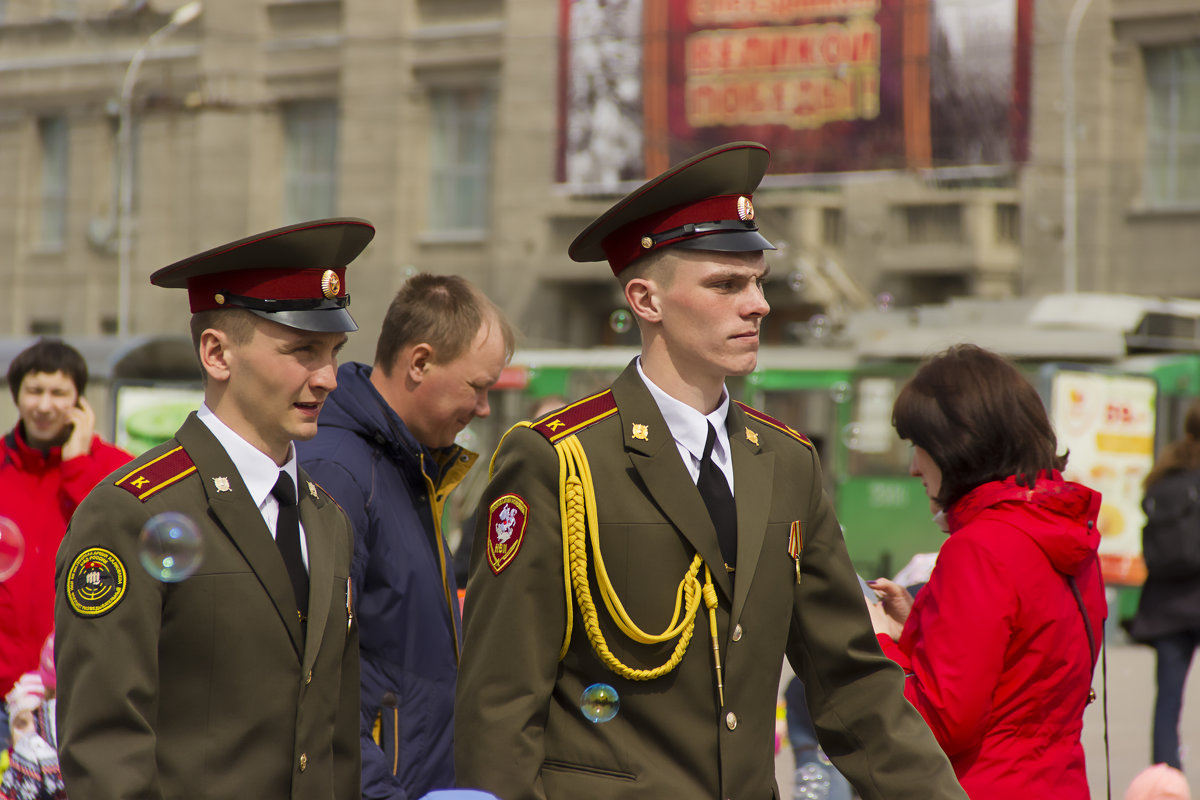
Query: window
column 45, row 326
column 832, row 227
column 310, row 160
column 939, row 223
column 1173, row 126
column 461, row 163
column 52, row 138
column 1008, row 223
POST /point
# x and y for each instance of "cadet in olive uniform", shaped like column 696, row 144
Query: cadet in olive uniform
column 682, row 596
column 241, row 680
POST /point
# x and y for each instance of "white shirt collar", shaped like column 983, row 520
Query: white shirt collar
column 257, row 469
column 687, row 425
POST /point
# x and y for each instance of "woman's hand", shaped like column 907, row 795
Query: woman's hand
column 882, row 623
column 895, row 605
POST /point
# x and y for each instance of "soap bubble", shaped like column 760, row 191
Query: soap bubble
column 620, row 320
column 170, row 547
column 852, row 436
column 840, row 392
column 599, row 702
column 12, row 548
column 819, row 326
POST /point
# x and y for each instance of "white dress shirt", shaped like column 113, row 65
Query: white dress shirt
column 258, row 471
column 689, row 428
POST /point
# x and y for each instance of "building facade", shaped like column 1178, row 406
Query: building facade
column 445, row 123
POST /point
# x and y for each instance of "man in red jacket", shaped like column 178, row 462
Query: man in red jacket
column 48, row 463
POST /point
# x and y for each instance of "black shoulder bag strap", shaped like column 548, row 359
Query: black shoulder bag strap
column 1087, row 626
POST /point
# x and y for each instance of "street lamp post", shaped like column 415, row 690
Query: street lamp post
column 1070, row 190
column 182, row 16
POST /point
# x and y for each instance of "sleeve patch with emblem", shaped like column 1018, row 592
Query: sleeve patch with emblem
column 96, row 582
column 507, row 519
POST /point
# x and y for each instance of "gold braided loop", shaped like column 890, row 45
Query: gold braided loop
column 568, row 510
column 577, row 505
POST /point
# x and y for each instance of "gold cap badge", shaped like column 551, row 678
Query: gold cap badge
column 745, row 209
column 331, row 285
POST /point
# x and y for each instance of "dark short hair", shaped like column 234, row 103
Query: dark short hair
column 237, row 323
column 979, row 419
column 49, row 356
column 445, row 311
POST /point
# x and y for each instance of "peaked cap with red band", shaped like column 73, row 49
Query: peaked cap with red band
column 294, row 275
column 703, row 203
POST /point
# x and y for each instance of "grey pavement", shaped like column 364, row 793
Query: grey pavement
column 1130, row 706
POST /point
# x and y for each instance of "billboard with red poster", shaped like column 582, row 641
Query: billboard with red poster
column 828, row 85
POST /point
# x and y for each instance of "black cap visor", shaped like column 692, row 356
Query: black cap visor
column 727, row 242
column 331, row 320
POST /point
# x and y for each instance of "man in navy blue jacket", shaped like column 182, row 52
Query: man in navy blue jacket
column 385, row 451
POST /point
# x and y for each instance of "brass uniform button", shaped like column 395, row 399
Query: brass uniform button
column 737, row 633
column 303, row 761
column 731, row 720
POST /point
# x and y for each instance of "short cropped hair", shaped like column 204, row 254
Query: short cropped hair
column 49, row 356
column 444, row 311
column 657, row 265
column 236, row 323
column 979, row 419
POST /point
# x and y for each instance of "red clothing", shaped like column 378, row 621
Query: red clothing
column 39, row 492
column 995, row 648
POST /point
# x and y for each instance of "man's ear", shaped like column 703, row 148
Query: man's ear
column 416, row 361
column 642, row 296
column 216, row 354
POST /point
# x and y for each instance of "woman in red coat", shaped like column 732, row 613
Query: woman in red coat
column 48, row 463
column 1000, row 645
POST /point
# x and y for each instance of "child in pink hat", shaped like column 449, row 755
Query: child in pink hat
column 1159, row 782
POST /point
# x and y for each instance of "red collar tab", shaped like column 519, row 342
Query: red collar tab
column 284, row 289
column 721, row 214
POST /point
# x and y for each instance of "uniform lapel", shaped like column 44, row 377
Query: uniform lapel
column 657, row 461
column 241, row 520
column 753, row 472
column 320, row 568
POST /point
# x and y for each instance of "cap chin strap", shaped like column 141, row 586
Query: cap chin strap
column 700, row 229
column 276, row 306
column 577, row 509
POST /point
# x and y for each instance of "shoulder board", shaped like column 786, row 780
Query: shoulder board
column 154, row 476
column 577, row 416
column 771, row 422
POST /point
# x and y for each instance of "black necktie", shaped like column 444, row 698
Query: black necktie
column 287, row 538
column 714, row 489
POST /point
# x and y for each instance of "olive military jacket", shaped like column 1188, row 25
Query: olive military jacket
column 519, row 730
column 208, row 687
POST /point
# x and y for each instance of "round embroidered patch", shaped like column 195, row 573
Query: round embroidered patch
column 96, row 582
column 507, row 519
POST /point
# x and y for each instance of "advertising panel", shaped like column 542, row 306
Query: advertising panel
column 1106, row 421
column 148, row 414
column 828, row 85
